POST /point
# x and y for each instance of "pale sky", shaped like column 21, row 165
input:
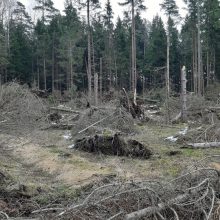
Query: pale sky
column 153, row 7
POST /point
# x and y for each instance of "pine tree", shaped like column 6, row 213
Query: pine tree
column 89, row 4
column 46, row 7
column 171, row 10
column 109, row 44
column 121, row 38
column 20, row 45
column 138, row 5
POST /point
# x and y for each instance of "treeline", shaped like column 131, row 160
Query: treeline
column 68, row 51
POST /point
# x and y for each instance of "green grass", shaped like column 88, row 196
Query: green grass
column 198, row 153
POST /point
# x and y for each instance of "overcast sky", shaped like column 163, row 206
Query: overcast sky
column 153, row 7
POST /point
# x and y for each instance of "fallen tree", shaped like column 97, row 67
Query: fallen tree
column 204, row 145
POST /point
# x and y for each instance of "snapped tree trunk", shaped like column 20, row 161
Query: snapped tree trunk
column 168, row 77
column 38, row 75
column 183, row 93
column 100, row 79
column 96, row 83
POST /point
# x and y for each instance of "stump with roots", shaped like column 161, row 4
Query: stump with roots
column 113, row 145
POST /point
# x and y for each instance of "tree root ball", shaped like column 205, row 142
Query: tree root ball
column 113, row 145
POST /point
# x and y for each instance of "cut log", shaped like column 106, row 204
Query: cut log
column 204, row 145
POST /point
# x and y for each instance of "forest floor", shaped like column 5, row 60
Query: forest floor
column 41, row 168
column 59, row 171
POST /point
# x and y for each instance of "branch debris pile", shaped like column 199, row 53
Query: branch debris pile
column 194, row 195
column 20, row 110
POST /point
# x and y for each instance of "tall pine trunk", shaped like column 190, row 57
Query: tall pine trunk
column 89, row 66
column 53, row 64
column 199, row 55
column 45, row 74
column 133, row 74
column 100, row 79
column 168, row 66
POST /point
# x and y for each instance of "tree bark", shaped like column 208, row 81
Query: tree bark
column 53, row 64
column 89, row 67
column 204, row 145
column 168, row 65
column 183, row 93
column 207, row 68
column 96, row 83
column 199, row 54
column 100, row 79
column 134, row 74
column 38, row 74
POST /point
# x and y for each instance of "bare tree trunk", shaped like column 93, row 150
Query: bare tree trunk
column 89, row 68
column 199, row 54
column 45, row 75
column 116, row 72
column 194, row 62
column 168, row 66
column 70, row 78
column 38, row 75
column 110, row 60
column 214, row 63
column 96, row 85
column 207, row 68
column 134, row 74
column 71, row 69
column 100, row 79
column 53, row 64
column 168, row 76
column 183, row 93
column 93, row 55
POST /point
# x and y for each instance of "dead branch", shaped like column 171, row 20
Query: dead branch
column 64, row 109
column 204, row 145
column 162, row 206
column 95, row 123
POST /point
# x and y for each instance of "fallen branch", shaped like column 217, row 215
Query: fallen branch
column 191, row 192
column 60, row 126
column 204, row 145
column 128, row 102
column 64, row 110
column 95, row 123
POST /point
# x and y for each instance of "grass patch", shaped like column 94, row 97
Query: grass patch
column 60, row 194
column 193, row 153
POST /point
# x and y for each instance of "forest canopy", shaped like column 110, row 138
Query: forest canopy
column 66, row 51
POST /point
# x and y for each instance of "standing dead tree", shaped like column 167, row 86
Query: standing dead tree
column 183, row 93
